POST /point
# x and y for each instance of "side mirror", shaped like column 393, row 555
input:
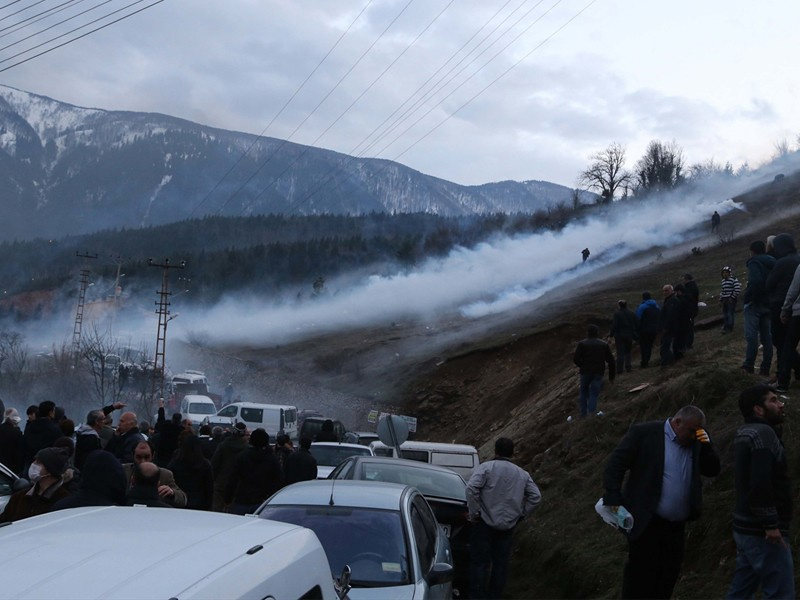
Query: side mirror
column 440, row 573
column 342, row 585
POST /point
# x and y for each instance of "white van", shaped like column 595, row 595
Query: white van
column 196, row 408
column 163, row 553
column 273, row 418
column 461, row 458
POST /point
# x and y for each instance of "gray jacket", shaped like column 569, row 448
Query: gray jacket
column 791, row 304
column 500, row 493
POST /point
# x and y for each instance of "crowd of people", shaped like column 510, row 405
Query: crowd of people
column 167, row 465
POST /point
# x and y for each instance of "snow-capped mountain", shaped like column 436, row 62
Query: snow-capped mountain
column 71, row 170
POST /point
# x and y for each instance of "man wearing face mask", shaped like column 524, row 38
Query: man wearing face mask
column 45, row 473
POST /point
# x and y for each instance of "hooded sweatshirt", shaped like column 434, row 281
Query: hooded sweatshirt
column 779, row 279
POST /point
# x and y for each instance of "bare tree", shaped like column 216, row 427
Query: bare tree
column 782, row 148
column 13, row 362
column 606, row 173
column 100, row 352
column 661, row 167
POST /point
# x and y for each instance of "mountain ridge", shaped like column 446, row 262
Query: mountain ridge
column 70, row 169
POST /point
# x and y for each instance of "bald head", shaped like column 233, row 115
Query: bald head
column 146, row 474
column 127, row 421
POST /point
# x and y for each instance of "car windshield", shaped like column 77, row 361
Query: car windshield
column 370, row 541
column 430, row 482
column 201, row 408
column 330, row 456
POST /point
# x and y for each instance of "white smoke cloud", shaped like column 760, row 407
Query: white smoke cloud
column 491, row 278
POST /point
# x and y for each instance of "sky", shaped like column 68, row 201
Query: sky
column 471, row 91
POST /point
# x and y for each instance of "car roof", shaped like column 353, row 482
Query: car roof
column 355, row 494
column 359, row 447
column 440, row 446
column 404, row 462
column 259, row 405
column 198, row 398
column 124, row 552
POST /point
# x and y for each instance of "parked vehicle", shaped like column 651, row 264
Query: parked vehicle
column 273, row 418
column 313, row 425
column 9, row 483
column 196, row 408
column 365, row 438
column 188, row 382
column 163, row 553
column 444, row 489
column 461, row 458
column 330, row 454
column 385, row 532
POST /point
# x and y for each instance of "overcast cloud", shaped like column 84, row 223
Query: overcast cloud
column 718, row 77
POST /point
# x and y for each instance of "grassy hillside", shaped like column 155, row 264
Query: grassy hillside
column 526, row 389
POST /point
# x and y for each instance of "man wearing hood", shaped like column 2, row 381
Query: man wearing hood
column 647, row 318
column 756, row 309
column 102, row 483
column 763, row 508
column 787, row 260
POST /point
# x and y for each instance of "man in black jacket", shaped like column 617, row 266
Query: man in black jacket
column 300, row 465
column 669, row 325
column 763, row 500
column 591, row 356
column 664, row 461
column 42, row 432
column 778, row 281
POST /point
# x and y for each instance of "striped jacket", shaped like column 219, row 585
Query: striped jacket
column 731, row 288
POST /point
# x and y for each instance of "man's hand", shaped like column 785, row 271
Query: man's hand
column 702, row 436
column 118, row 405
column 773, row 536
column 164, row 491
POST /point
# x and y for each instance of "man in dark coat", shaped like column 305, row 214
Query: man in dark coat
column 12, row 443
column 126, row 438
column 623, row 330
column 779, row 279
column 87, row 436
column 144, row 487
column 43, row 431
column 669, row 325
column 591, row 356
column 300, row 465
column 692, row 293
column 664, row 461
column 757, row 323
column 167, row 432
column 102, row 483
column 223, row 461
column 256, row 476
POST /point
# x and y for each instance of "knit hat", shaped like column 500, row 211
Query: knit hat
column 12, row 415
column 240, row 428
column 54, row 460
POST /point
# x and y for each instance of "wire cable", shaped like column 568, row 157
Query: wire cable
column 283, row 108
column 78, row 37
column 55, row 24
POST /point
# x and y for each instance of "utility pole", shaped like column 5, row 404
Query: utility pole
column 163, row 318
column 76, row 331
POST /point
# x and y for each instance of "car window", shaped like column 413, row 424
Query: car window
column 201, row 408
column 449, row 459
column 428, row 481
column 330, row 456
column 342, row 471
column 254, row 415
column 228, row 411
column 370, row 541
column 417, row 455
column 289, row 416
column 424, row 525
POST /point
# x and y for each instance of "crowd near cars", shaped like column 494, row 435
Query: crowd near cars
column 372, row 525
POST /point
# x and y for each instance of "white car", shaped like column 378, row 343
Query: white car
column 385, row 532
column 8, row 485
column 330, row 454
column 119, row 552
column 197, row 407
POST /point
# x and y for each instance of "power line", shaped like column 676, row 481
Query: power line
column 54, row 25
column 285, row 105
column 20, row 25
column 78, row 37
column 314, row 110
column 21, row 10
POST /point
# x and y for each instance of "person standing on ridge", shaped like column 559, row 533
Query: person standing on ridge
column 729, row 294
column 756, row 309
column 591, row 356
column 623, row 330
column 585, row 253
column 647, row 318
column 715, row 219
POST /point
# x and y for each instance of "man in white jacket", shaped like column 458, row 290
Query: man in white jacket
column 499, row 495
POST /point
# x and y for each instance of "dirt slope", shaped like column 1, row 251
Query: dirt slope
column 526, row 388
